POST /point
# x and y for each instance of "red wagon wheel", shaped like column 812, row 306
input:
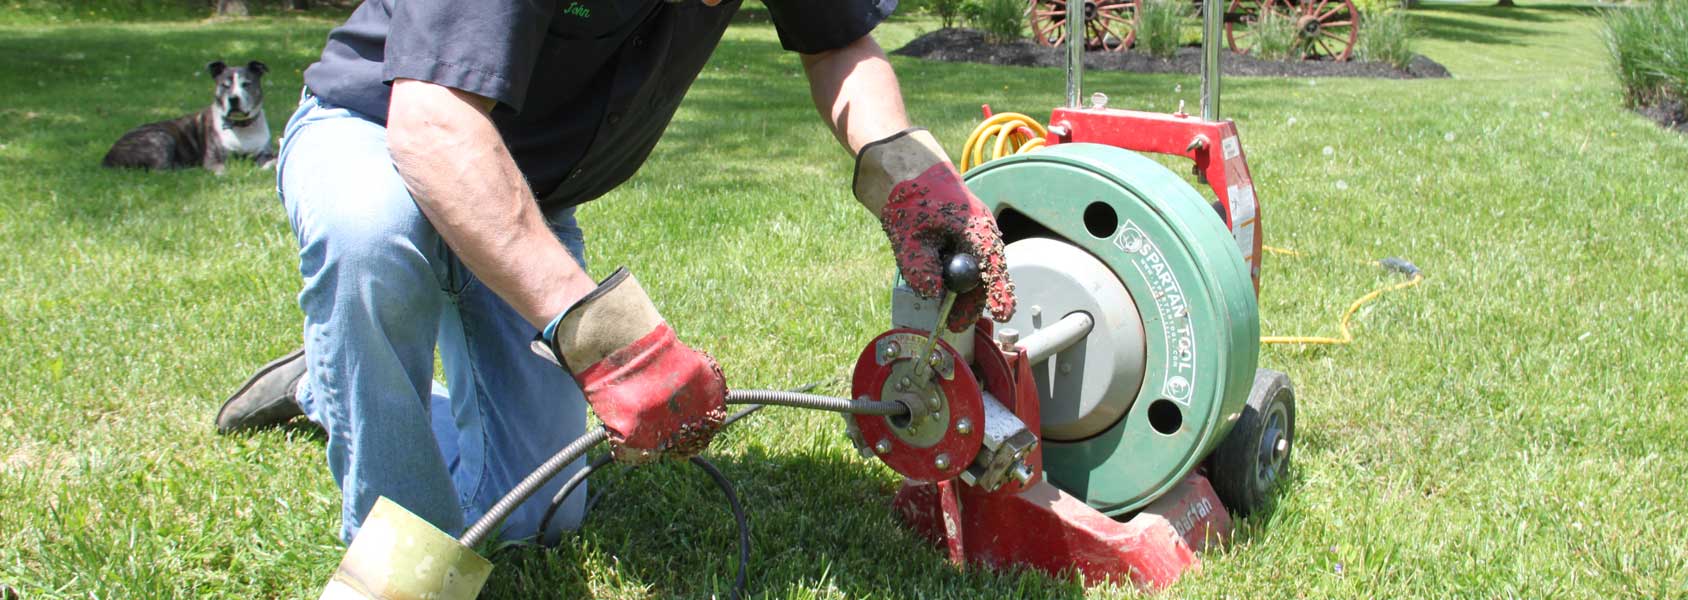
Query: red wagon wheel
column 1327, row 28
column 1108, row 24
column 1239, row 17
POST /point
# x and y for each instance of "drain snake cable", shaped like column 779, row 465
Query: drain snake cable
column 1016, row 133
column 483, row 527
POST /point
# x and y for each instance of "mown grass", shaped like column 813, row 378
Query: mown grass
column 1511, row 428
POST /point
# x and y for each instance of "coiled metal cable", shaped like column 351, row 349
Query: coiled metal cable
column 817, row 402
column 530, row 484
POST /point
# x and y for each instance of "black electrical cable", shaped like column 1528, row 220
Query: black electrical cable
column 741, row 414
column 530, row 484
column 575, row 449
column 605, row 459
column 738, row 517
column 568, row 487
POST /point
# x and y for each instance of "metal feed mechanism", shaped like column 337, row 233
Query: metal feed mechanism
column 1115, row 424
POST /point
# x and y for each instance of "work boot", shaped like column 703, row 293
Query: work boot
column 267, row 398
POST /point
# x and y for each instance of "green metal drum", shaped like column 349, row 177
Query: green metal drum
column 1155, row 387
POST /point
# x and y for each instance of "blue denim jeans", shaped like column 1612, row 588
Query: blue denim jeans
column 381, row 292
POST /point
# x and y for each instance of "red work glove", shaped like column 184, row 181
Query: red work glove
column 655, row 395
column 908, row 182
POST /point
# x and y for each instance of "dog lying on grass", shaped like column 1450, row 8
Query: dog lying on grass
column 233, row 125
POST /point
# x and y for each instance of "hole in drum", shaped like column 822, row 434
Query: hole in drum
column 1165, row 417
column 1101, row 220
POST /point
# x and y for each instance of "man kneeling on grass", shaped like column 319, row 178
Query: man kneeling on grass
column 431, row 175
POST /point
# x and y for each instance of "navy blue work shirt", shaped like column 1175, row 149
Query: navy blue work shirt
column 584, row 88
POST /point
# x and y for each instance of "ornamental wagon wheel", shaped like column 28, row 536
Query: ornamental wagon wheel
column 1325, row 29
column 1239, row 17
column 1108, row 24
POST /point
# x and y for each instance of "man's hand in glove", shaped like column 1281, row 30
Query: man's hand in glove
column 656, row 396
column 908, row 182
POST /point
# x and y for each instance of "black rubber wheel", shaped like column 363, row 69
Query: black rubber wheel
column 1255, row 455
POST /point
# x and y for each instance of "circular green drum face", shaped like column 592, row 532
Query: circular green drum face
column 1189, row 323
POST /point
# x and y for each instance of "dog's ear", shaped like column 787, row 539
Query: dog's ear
column 215, row 68
column 258, row 67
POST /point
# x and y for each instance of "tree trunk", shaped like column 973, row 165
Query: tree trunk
column 301, row 4
column 232, row 8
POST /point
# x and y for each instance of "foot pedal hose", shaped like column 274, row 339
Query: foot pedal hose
column 1399, row 265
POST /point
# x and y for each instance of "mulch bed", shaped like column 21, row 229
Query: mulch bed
column 1669, row 113
column 967, row 45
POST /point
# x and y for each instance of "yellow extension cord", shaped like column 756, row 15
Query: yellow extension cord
column 1010, row 132
column 1414, row 277
column 1014, row 133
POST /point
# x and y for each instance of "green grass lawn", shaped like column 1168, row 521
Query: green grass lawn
column 1512, row 428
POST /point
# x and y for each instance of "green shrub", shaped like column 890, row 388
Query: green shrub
column 1160, row 26
column 1376, row 7
column 947, row 10
column 1649, row 50
column 1387, row 37
column 1273, row 37
column 1002, row 21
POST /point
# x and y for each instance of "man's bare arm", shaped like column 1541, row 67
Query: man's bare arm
column 465, row 181
column 856, row 92
column 904, row 177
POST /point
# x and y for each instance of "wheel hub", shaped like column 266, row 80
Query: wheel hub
column 1309, row 26
column 1274, row 447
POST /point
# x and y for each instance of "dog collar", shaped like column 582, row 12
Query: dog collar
column 238, row 124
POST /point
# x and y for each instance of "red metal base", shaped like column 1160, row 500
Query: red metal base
column 1049, row 530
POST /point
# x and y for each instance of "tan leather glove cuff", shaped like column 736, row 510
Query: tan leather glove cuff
column 881, row 165
column 610, row 318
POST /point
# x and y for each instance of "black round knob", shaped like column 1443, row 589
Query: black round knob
column 961, row 273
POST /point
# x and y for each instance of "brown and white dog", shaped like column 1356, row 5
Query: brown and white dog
column 233, row 125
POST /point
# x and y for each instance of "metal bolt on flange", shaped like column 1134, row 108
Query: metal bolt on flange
column 942, row 462
column 1006, row 338
column 964, row 426
column 890, row 351
column 882, row 446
